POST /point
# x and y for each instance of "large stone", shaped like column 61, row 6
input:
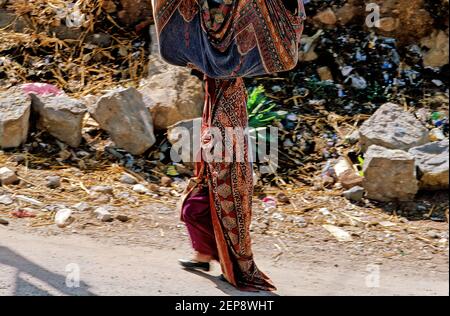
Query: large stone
column 393, row 128
column 61, row 116
column 172, row 95
column 327, row 17
column 389, row 175
column 346, row 13
column 185, row 139
column 438, row 49
column 432, row 160
column 123, row 114
column 15, row 110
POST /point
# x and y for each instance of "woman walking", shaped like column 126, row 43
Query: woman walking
column 226, row 40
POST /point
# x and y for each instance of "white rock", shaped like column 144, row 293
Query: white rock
column 6, row 200
column 8, row 176
column 82, row 207
column 141, row 189
column 63, row 218
column 103, row 214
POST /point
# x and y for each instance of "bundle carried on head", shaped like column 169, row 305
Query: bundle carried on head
column 226, row 39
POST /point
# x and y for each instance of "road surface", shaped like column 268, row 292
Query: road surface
column 37, row 265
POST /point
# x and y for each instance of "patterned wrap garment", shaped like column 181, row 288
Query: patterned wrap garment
column 227, row 40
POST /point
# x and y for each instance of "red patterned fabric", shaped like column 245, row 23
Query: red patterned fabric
column 230, row 186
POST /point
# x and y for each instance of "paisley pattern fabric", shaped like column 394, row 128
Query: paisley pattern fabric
column 230, row 185
column 227, row 40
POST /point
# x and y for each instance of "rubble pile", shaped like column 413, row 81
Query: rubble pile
column 348, row 70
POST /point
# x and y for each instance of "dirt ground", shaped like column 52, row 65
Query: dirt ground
column 290, row 243
column 38, row 265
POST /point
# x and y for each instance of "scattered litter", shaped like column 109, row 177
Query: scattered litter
column 23, row 214
column 340, row 234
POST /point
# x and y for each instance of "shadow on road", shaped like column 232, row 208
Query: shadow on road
column 227, row 288
column 23, row 287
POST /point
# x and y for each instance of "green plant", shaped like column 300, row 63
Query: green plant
column 260, row 109
column 361, row 164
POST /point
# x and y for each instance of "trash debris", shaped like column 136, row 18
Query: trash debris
column 41, row 89
column 436, row 134
column 28, row 200
column 270, row 203
column 23, row 214
column 347, row 174
column 340, row 234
